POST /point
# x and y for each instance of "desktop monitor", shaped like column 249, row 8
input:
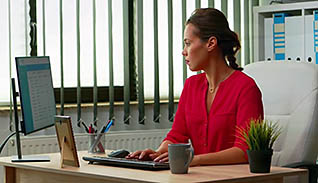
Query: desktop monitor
column 36, row 98
column 36, row 93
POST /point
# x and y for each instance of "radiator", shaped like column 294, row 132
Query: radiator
column 130, row 140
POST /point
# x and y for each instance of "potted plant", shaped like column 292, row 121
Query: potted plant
column 260, row 137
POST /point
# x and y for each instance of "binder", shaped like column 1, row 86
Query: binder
column 279, row 36
column 294, row 38
column 268, row 39
column 310, row 54
column 315, row 26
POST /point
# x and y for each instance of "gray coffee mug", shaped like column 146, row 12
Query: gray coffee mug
column 180, row 157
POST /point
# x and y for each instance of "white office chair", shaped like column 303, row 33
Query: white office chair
column 290, row 96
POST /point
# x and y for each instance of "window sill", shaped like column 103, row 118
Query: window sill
column 86, row 105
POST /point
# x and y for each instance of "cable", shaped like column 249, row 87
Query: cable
column 6, row 140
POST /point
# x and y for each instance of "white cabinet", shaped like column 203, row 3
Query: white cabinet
column 293, row 37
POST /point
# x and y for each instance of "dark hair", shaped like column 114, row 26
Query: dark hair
column 212, row 22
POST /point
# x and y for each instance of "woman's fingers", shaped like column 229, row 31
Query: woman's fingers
column 154, row 155
column 149, row 154
column 134, row 154
column 145, row 154
column 142, row 155
column 166, row 159
column 162, row 157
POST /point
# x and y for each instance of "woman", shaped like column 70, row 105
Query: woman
column 212, row 104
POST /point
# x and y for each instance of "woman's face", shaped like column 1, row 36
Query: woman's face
column 195, row 51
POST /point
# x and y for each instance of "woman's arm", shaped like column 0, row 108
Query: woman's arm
column 232, row 155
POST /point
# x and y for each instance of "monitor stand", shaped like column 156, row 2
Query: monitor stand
column 29, row 158
column 19, row 157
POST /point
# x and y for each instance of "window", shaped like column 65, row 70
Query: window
column 14, row 39
column 49, row 37
column 45, row 16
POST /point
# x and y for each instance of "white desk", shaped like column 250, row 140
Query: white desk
column 50, row 172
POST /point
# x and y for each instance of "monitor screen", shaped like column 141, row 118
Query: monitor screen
column 36, row 93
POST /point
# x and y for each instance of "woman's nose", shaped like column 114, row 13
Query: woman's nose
column 184, row 53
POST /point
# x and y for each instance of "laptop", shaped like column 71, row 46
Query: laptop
column 127, row 163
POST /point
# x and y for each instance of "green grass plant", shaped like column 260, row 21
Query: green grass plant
column 260, row 135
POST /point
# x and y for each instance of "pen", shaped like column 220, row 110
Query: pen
column 85, row 126
column 90, row 129
column 108, row 122
column 108, row 126
column 93, row 128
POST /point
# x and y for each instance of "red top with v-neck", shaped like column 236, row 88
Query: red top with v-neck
column 238, row 99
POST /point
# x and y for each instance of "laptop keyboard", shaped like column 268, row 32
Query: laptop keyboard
column 123, row 162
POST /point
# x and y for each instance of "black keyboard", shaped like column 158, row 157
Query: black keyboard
column 129, row 163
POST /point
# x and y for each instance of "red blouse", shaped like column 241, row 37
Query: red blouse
column 238, row 99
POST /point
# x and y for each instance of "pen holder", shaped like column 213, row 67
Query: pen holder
column 96, row 143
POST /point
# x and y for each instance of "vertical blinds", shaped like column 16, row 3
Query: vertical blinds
column 87, row 49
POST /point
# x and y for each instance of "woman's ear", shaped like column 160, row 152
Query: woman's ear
column 211, row 43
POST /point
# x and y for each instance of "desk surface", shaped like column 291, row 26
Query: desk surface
column 224, row 173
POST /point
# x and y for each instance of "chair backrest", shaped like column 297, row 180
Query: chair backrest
column 290, row 97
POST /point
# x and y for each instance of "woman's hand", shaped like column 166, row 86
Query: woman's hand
column 147, row 154
column 162, row 157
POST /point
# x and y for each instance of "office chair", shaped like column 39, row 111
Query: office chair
column 290, row 97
